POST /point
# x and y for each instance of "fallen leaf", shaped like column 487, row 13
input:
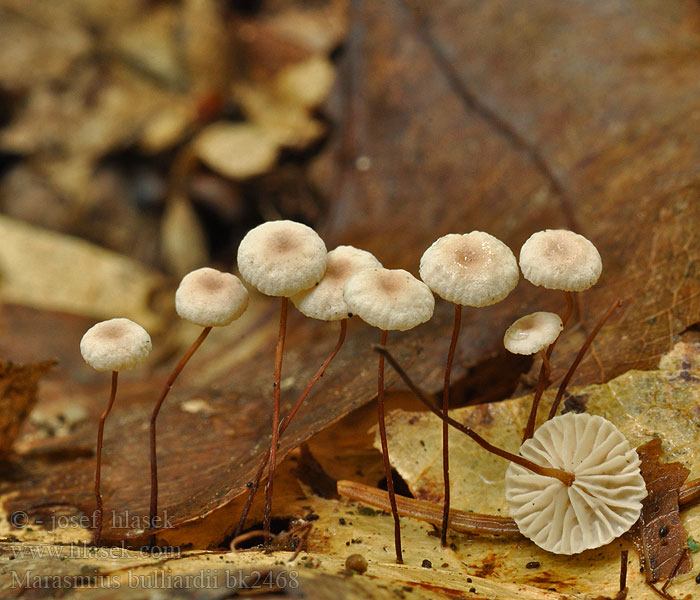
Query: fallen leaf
column 18, row 387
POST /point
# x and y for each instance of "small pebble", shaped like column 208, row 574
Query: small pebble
column 532, row 565
column 426, row 564
column 357, row 563
column 663, row 532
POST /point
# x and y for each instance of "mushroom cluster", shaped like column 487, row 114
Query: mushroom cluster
column 559, row 469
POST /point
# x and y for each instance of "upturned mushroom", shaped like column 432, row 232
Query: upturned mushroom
column 324, row 302
column 558, row 259
column 472, row 269
column 389, row 299
column 602, row 503
column 114, row 345
column 208, row 298
column 280, row 258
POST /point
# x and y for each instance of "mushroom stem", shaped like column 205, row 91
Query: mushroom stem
column 385, row 452
column 545, row 370
column 565, row 477
column 465, row 522
column 569, row 309
column 166, row 389
column 275, row 416
column 285, row 423
column 579, row 357
column 445, row 428
column 98, row 468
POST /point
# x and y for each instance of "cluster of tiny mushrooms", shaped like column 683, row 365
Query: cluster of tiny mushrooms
column 576, row 482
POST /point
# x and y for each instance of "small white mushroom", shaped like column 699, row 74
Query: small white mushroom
column 325, row 301
column 210, row 298
column 603, row 502
column 558, row 259
column 282, row 258
column 532, row 333
column 389, row 299
column 115, row 345
column 471, row 269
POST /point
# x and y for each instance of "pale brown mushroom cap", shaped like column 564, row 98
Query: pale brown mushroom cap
column 325, row 301
column 282, row 258
column 210, row 298
column 532, row 333
column 390, row 299
column 605, row 499
column 471, row 269
column 115, row 345
column 558, row 259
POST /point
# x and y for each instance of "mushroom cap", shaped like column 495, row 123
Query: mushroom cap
column 605, row 499
column 282, row 258
column 390, row 299
column 115, row 345
column 210, row 298
column 472, row 269
column 532, row 333
column 325, row 301
column 558, row 259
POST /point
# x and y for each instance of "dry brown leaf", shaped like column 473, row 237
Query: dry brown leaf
column 18, row 387
column 50, row 271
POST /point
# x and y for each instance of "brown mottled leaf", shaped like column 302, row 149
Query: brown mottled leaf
column 659, row 536
column 18, row 386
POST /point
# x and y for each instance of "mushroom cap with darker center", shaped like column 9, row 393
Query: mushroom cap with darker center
column 390, row 299
column 471, row 269
column 325, row 301
column 282, row 258
column 210, row 298
column 603, row 502
column 558, row 259
column 115, row 345
column 532, row 333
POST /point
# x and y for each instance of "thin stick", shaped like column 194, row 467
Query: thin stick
column 462, row 521
column 154, row 416
column 563, row 476
column 255, row 484
column 385, row 453
column 445, row 427
column 275, row 416
column 579, row 357
column 98, row 468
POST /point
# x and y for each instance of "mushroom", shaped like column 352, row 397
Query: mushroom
column 532, row 334
column 558, row 259
column 208, row 298
column 471, row 269
column 602, row 503
column 114, row 345
column 389, row 299
column 324, row 302
column 280, row 258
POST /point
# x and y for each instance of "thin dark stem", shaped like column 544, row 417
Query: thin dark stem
column 285, row 423
column 385, row 453
column 569, row 309
column 98, row 468
column 579, row 357
column 445, row 427
column 275, row 416
column 563, row 476
column 545, row 370
column 154, row 416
